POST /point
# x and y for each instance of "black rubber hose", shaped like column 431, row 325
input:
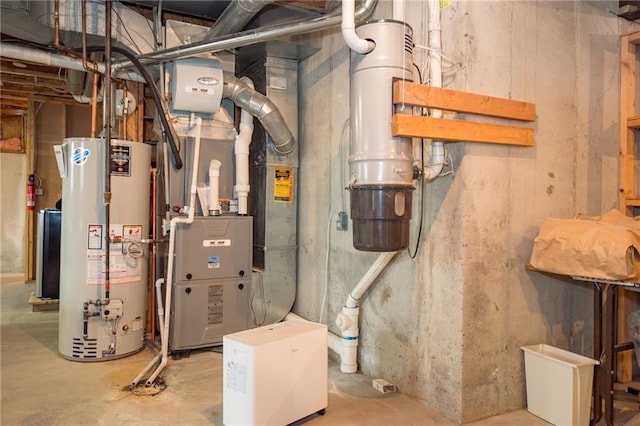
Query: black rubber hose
column 172, row 136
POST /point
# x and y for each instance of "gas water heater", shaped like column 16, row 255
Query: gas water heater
column 93, row 328
column 381, row 165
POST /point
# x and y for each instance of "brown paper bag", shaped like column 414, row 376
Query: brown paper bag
column 604, row 247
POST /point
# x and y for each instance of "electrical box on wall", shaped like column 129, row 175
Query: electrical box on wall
column 196, row 85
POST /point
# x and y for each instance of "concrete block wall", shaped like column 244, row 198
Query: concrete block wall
column 447, row 327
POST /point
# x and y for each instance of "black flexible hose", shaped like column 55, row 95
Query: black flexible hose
column 172, row 136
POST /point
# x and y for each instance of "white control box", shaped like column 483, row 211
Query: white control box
column 276, row 374
column 196, row 85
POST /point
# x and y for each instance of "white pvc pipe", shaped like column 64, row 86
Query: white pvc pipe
column 241, row 148
column 160, row 311
column 398, row 10
column 172, row 238
column 214, row 187
column 347, row 320
column 436, row 163
column 348, row 26
column 22, row 53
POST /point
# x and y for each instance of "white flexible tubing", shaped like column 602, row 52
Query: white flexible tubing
column 214, row 187
column 398, row 10
column 160, row 311
column 436, row 162
column 333, row 340
column 348, row 26
column 172, row 239
column 241, row 147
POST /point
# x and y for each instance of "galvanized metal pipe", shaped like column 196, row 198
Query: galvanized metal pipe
column 259, row 35
column 235, row 17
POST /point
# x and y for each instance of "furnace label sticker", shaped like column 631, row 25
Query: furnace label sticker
column 213, row 262
column 283, row 185
column 236, row 376
column 80, row 156
column 216, row 243
column 94, row 237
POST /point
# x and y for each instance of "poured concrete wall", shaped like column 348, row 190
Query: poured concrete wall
column 447, row 327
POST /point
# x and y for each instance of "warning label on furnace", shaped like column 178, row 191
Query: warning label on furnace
column 283, row 184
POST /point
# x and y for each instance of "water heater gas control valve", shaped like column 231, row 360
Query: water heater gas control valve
column 112, row 310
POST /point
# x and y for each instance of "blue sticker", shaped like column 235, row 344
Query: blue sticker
column 213, row 262
column 80, row 156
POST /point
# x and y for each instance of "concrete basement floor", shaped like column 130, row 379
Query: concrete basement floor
column 41, row 388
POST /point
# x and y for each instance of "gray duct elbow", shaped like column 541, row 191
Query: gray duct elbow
column 263, row 109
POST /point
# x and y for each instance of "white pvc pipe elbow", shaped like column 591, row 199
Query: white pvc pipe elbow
column 436, row 161
column 348, row 26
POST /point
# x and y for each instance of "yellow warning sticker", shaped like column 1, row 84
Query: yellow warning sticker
column 283, row 184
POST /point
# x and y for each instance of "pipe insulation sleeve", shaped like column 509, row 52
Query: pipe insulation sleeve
column 348, row 27
column 263, row 109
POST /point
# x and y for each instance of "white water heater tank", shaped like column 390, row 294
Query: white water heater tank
column 91, row 327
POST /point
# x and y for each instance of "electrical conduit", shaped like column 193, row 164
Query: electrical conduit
column 164, row 329
column 347, row 320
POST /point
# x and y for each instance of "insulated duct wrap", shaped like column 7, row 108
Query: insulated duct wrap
column 381, row 164
column 263, row 109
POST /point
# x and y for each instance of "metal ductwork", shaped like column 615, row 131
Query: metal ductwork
column 250, row 37
column 263, row 109
column 235, row 17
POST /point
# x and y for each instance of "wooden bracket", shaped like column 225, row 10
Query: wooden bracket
column 405, row 125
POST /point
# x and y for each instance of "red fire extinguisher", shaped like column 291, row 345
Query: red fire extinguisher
column 31, row 192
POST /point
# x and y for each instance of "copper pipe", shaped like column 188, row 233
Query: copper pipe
column 56, row 23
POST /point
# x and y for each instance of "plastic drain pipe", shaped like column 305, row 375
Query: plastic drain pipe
column 160, row 311
column 348, row 27
column 436, row 163
column 214, row 187
column 241, row 148
column 347, row 320
column 164, row 331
